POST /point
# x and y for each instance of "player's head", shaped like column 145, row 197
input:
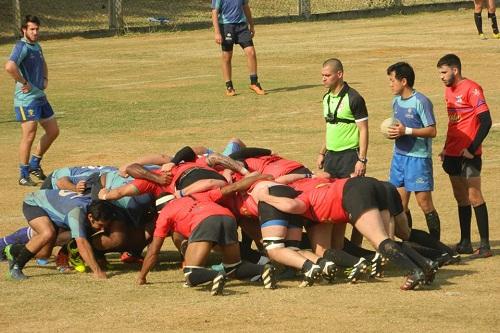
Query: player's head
column 401, row 76
column 30, row 27
column 450, row 69
column 101, row 213
column 332, row 73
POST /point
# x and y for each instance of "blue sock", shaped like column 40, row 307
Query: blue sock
column 35, row 162
column 24, row 169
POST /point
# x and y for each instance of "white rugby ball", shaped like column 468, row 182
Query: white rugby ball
column 384, row 126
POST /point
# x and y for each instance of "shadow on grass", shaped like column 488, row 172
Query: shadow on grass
column 284, row 89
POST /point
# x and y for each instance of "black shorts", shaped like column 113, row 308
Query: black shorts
column 301, row 171
column 193, row 175
column 361, row 194
column 340, row 164
column 33, row 212
column 220, row 229
column 269, row 213
column 462, row 167
column 237, row 33
column 394, row 202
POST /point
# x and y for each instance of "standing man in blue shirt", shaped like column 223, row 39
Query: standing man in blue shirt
column 411, row 166
column 28, row 68
column 233, row 24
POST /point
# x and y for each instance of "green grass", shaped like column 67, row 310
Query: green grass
column 119, row 98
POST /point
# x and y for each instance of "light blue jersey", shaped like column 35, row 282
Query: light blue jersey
column 75, row 174
column 29, row 59
column 66, row 209
column 415, row 112
column 230, row 11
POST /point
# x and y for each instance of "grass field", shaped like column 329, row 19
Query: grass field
column 118, row 98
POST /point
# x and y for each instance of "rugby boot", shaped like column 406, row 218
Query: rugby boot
column 311, row 275
column 328, row 269
column 38, row 173
column 26, row 181
column 414, row 280
column 257, row 89
column 218, row 284
column 430, row 271
column 230, row 92
column 482, row 252
column 464, row 247
column 269, row 276
column 377, row 267
column 355, row 272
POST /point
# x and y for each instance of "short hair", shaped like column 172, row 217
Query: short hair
column 402, row 70
column 450, row 60
column 335, row 64
column 102, row 210
column 28, row 19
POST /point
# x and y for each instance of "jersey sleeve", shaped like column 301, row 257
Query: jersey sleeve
column 18, row 53
column 164, row 225
column 477, row 99
column 216, row 4
column 358, row 107
column 76, row 219
column 146, row 186
column 425, row 110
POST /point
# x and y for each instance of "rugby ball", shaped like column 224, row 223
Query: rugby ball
column 384, row 126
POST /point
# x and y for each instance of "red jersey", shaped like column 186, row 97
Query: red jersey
column 147, row 186
column 464, row 103
column 308, row 184
column 183, row 215
column 324, row 203
column 272, row 165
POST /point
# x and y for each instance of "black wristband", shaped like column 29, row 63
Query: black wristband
column 363, row 160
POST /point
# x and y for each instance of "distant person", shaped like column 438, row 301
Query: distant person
column 468, row 125
column 344, row 153
column 233, row 24
column 28, row 68
column 411, row 166
column 478, row 8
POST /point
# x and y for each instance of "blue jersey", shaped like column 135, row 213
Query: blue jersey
column 29, row 59
column 415, row 112
column 66, row 209
column 230, row 11
column 75, row 174
column 135, row 207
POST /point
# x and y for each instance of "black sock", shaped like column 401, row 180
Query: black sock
column 254, row 79
column 409, row 218
column 357, row 251
column 247, row 253
column 245, row 270
column 341, row 258
column 433, row 224
column 198, row 275
column 494, row 24
column 389, row 249
column 421, row 262
column 464, row 216
column 425, row 251
column 229, row 84
column 481, row 212
column 479, row 22
column 23, row 257
column 16, row 249
column 306, row 266
column 305, row 243
column 424, row 239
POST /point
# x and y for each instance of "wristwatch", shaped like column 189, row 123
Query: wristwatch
column 363, row 160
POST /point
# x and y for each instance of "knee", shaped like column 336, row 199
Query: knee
column 250, row 51
column 53, row 133
column 48, row 234
column 227, row 56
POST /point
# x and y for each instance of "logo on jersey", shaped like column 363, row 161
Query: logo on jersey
column 458, row 99
column 454, row 117
column 476, row 92
column 409, row 113
column 31, row 113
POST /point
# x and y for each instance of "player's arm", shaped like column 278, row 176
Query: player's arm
column 485, row 123
column 215, row 22
column 201, row 185
column 244, row 184
column 126, row 190
column 227, row 162
column 88, row 256
column 360, row 167
column 287, row 205
column 137, row 171
column 65, row 183
column 321, row 157
column 150, row 259
column 248, row 14
column 13, row 70
column 45, row 74
column 248, row 152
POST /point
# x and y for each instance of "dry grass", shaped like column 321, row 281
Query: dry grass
column 118, row 98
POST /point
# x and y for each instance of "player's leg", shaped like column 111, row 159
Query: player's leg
column 51, row 133
column 492, row 7
column 28, row 134
column 478, row 20
column 460, row 192
column 195, row 259
column 481, row 212
column 424, row 200
column 20, row 236
column 252, row 70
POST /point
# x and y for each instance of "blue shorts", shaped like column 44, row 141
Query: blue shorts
column 412, row 173
column 34, row 113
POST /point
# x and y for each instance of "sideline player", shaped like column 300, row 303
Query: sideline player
column 411, row 166
column 27, row 66
column 469, row 122
column 233, row 24
column 478, row 8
